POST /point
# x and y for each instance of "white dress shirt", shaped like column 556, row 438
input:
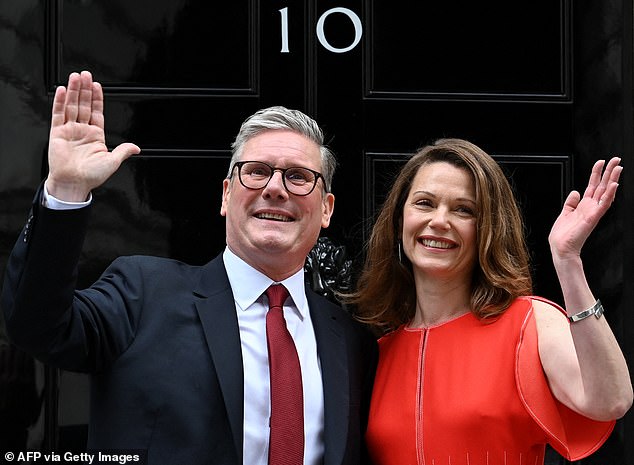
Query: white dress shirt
column 55, row 204
column 251, row 307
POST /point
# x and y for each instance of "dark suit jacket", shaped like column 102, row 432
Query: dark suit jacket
column 161, row 341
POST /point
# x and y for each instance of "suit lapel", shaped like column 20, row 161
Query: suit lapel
column 216, row 309
column 334, row 362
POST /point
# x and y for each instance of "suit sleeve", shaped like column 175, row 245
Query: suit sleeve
column 44, row 314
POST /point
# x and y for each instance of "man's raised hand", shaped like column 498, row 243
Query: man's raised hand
column 78, row 158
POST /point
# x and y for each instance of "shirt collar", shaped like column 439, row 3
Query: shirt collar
column 240, row 272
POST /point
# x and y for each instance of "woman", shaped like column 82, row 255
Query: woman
column 475, row 369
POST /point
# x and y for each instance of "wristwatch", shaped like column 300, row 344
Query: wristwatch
column 596, row 310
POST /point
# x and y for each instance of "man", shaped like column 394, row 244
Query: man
column 178, row 354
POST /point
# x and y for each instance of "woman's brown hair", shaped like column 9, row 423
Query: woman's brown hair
column 385, row 295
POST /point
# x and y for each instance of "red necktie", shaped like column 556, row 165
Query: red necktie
column 286, row 443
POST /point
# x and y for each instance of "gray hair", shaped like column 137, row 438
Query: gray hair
column 282, row 118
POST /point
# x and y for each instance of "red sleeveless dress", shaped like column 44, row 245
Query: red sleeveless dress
column 469, row 392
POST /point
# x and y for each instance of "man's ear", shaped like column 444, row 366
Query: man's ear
column 328, row 207
column 226, row 192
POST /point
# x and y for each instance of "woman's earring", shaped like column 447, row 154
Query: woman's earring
column 400, row 252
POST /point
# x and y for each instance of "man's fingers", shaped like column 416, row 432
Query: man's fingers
column 79, row 97
column 57, row 118
column 72, row 97
column 96, row 116
column 125, row 150
column 81, row 101
column 84, row 111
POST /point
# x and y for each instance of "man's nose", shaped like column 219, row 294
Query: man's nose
column 275, row 186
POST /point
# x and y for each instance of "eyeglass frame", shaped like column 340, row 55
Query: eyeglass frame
column 283, row 171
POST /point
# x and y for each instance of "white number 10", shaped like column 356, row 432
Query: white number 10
column 356, row 22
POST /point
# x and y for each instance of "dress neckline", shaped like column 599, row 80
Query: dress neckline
column 408, row 327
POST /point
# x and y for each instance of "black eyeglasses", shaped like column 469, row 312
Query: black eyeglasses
column 296, row 179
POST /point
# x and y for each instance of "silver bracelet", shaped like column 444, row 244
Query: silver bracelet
column 596, row 310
